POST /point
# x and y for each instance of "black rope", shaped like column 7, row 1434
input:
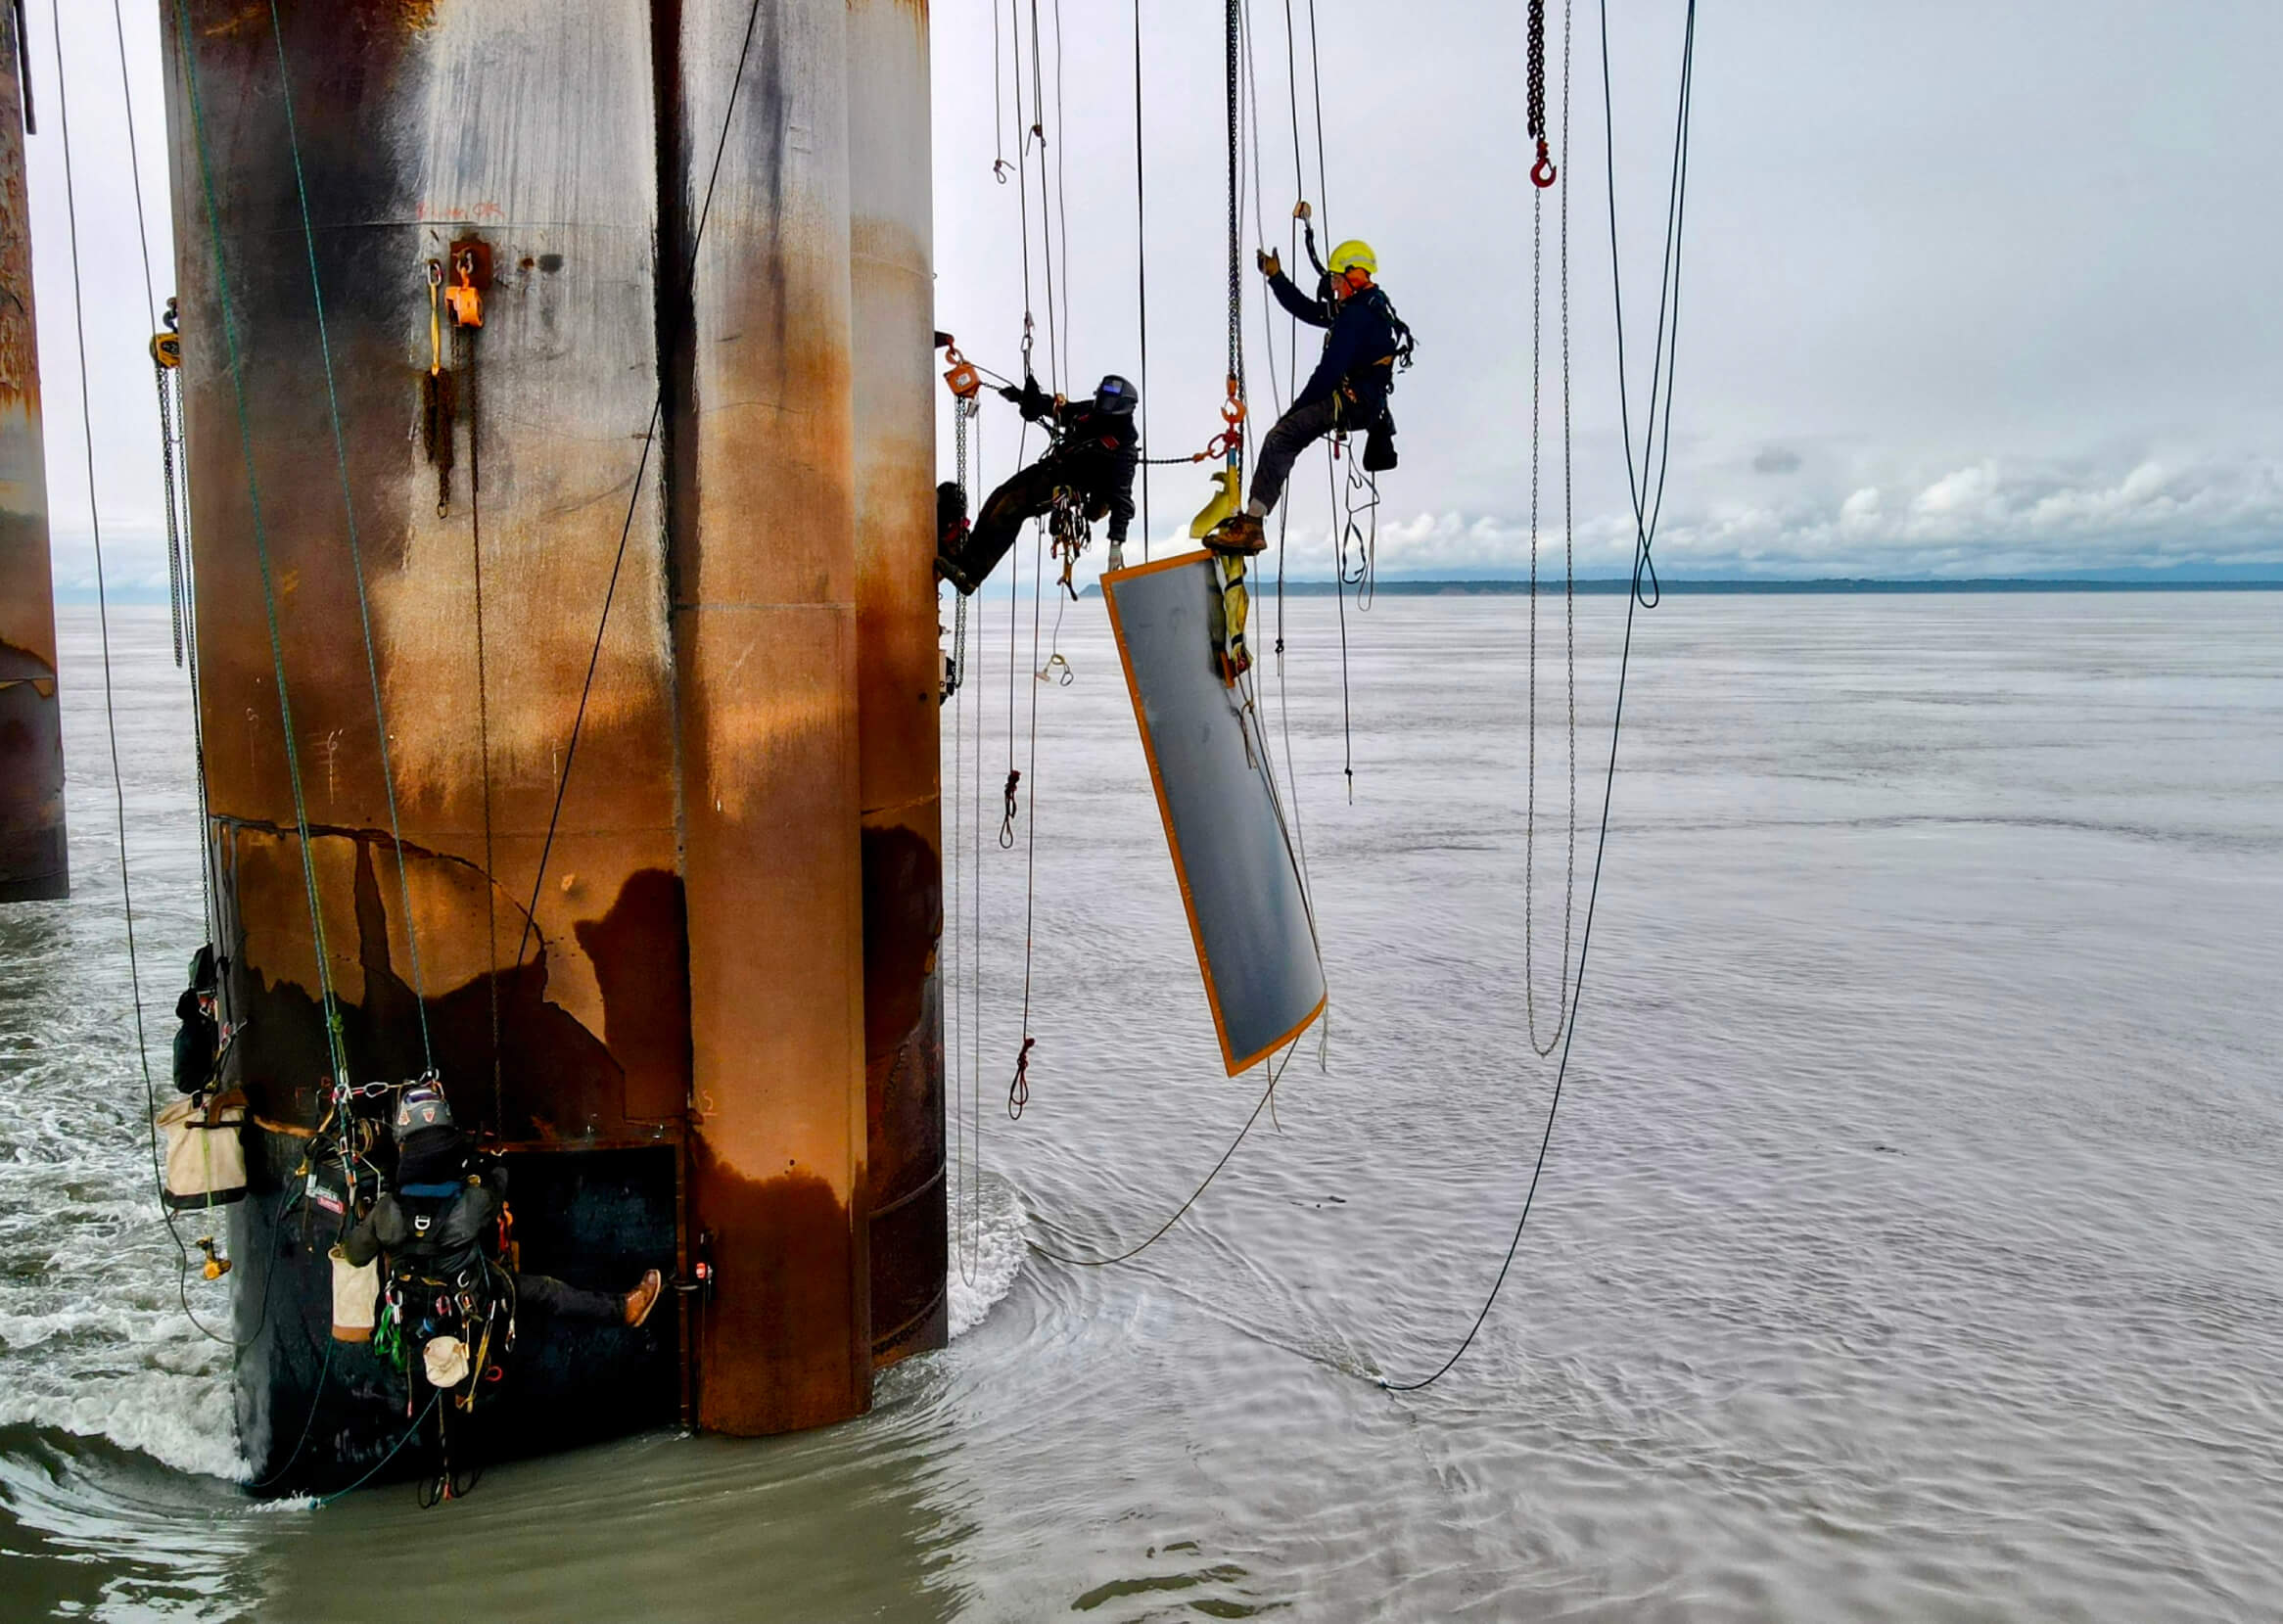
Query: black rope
column 110, row 701
column 1316, row 75
column 1062, row 194
column 1276, row 1076
column 635, row 496
column 1141, row 270
column 1644, row 537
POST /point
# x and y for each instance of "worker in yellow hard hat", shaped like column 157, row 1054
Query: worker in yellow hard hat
column 1346, row 393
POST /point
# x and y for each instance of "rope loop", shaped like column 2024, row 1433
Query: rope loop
column 1014, row 778
column 1018, row 1087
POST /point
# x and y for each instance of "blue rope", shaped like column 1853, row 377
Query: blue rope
column 365, row 612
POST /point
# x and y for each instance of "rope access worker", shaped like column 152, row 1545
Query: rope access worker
column 433, row 1220
column 1346, row 393
column 1093, row 455
column 201, row 1038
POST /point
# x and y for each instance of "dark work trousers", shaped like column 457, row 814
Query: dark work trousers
column 552, row 1296
column 1026, row 495
column 1295, row 431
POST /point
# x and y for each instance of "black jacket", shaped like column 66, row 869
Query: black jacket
column 1359, row 355
column 1095, row 452
column 454, row 1239
column 197, row 1043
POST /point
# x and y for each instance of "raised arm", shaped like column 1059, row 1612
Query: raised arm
column 1313, row 311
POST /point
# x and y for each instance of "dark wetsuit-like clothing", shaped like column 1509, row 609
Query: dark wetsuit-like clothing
column 198, row 1044
column 452, row 1249
column 1095, row 457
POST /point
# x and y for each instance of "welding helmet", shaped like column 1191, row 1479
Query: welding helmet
column 423, row 1105
column 1116, row 397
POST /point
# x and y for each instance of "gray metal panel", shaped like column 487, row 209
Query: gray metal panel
column 1237, row 877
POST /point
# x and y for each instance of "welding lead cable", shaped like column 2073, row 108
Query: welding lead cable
column 634, row 495
column 1648, row 506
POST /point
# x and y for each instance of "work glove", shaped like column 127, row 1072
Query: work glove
column 1270, row 264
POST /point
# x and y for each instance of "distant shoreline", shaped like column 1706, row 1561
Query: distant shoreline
column 1594, row 586
column 1824, row 585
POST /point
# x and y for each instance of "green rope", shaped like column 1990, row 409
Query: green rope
column 356, row 554
column 206, row 174
column 411, row 1433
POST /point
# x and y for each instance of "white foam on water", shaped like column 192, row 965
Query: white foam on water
column 180, row 1420
column 992, row 1244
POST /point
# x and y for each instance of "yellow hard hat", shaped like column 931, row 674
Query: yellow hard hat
column 1351, row 253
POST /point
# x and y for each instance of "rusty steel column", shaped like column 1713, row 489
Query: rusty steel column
column 765, row 630
column 491, row 514
column 900, row 668
column 32, row 859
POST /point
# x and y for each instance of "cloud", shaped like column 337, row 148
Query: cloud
column 1990, row 517
column 1776, row 459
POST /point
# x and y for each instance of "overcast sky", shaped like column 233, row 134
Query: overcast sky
column 1967, row 290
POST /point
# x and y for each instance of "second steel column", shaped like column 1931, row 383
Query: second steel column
column 32, row 863
column 762, row 523
column 899, row 669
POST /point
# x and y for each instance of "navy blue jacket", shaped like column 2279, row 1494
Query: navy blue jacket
column 1359, row 353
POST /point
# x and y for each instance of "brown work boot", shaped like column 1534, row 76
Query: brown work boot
column 1238, row 535
column 643, row 1297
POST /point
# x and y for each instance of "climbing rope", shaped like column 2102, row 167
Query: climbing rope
column 1276, row 1076
column 1018, row 1089
column 365, row 612
column 1142, row 270
column 110, row 701
column 329, row 1003
column 1647, row 507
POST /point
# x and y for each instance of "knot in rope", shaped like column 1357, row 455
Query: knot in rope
column 1014, row 778
column 1018, row 1089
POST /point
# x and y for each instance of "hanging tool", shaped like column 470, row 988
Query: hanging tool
column 216, row 1266
column 437, row 391
column 960, row 375
column 462, row 299
column 471, row 261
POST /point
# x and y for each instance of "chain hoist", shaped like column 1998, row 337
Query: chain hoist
column 166, row 367
column 1541, row 173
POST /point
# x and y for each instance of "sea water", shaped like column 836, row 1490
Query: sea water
column 1906, row 1247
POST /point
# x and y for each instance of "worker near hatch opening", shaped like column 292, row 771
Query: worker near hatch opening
column 1346, row 393
column 439, row 1209
column 1093, row 457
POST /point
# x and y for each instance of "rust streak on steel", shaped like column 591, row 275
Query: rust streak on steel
column 530, row 128
column 766, row 644
column 33, row 864
column 899, row 670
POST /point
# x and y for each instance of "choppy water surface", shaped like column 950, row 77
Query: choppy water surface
column 1908, row 1248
